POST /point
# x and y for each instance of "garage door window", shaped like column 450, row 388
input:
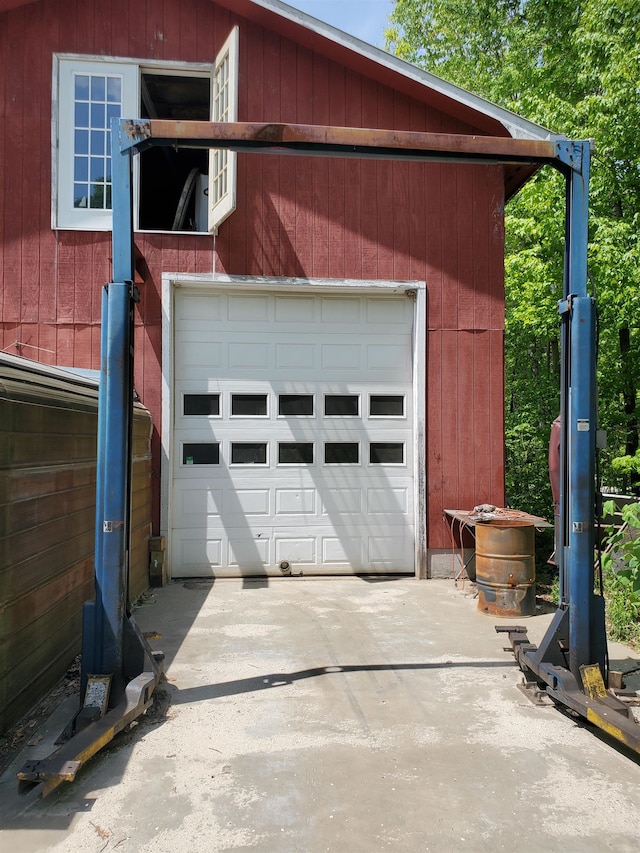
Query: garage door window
column 204, row 453
column 295, row 405
column 342, row 405
column 202, row 404
column 249, row 405
column 341, row 453
column 295, row 453
column 386, row 406
column 386, row 453
column 248, row 453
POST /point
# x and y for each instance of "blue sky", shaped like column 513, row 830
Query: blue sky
column 366, row 19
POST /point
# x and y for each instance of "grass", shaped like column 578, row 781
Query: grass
column 621, row 575
column 621, row 582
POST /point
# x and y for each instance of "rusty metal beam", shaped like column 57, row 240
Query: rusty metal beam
column 318, row 140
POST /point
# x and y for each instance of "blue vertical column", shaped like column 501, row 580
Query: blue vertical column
column 582, row 435
column 565, row 383
column 92, row 613
column 115, row 411
column 585, row 644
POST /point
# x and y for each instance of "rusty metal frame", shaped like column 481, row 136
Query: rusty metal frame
column 580, row 617
column 109, row 621
column 327, row 141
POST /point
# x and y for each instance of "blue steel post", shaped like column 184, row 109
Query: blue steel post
column 102, row 409
column 563, row 509
column 90, row 639
column 585, row 643
column 581, row 484
column 112, row 522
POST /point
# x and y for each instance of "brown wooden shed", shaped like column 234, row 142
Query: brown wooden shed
column 319, row 341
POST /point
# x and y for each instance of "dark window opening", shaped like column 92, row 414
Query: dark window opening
column 206, row 453
column 172, row 194
column 295, row 404
column 249, row 453
column 386, row 453
column 295, row 453
column 390, row 405
column 346, row 405
column 249, row 405
column 202, row 404
column 341, row 453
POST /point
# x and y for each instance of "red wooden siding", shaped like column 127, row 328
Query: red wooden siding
column 295, row 216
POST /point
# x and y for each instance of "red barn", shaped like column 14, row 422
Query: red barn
column 319, row 341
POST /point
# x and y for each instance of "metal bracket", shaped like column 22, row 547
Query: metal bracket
column 571, row 152
column 93, row 731
column 535, row 693
column 565, row 306
column 132, row 132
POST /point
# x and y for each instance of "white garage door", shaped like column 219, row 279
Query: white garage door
column 292, row 445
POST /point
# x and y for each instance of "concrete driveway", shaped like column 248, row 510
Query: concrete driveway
column 305, row 715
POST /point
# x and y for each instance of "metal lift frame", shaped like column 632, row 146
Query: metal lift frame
column 570, row 665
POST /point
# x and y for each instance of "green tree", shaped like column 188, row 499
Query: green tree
column 573, row 67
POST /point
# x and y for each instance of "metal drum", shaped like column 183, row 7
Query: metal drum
column 505, row 568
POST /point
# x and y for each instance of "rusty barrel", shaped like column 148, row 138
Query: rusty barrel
column 505, row 568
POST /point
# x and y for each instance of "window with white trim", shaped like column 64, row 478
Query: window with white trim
column 224, row 107
column 89, row 94
column 173, row 188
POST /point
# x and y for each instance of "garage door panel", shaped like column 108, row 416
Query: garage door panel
column 198, row 307
column 296, row 550
column 295, row 309
column 249, row 552
column 310, row 409
column 295, row 501
column 192, row 354
column 246, row 354
column 342, row 311
column 344, row 549
column 194, row 506
column 392, row 359
column 394, row 550
column 341, row 501
column 199, row 553
column 388, row 501
column 249, row 502
column 296, row 357
column 341, row 356
column 389, row 312
column 247, row 308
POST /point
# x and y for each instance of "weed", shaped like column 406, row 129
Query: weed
column 621, row 574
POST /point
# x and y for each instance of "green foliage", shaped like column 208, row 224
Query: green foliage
column 574, row 67
column 621, row 574
column 627, row 464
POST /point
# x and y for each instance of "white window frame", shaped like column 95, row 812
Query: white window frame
column 63, row 214
column 223, row 164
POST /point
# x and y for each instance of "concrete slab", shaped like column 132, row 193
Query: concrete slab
column 336, row 715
